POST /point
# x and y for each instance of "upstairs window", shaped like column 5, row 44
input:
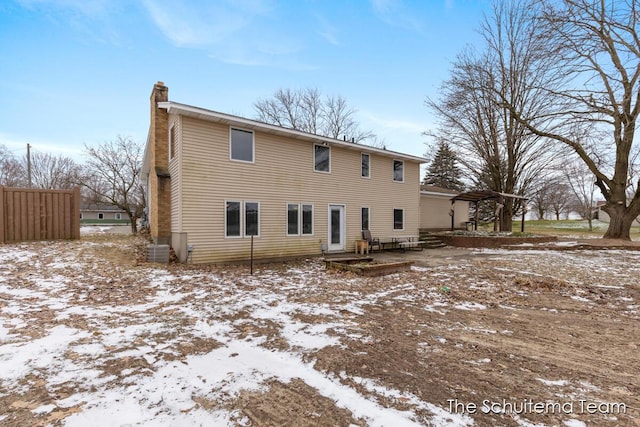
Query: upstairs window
column 241, row 145
column 321, row 158
column 365, row 165
column 398, row 170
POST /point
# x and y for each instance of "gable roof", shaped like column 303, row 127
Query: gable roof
column 229, row 119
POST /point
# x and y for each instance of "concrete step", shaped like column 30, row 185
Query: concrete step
column 431, row 241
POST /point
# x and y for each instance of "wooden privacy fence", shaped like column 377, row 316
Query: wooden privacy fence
column 35, row 214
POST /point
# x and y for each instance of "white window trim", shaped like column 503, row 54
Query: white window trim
column 393, row 170
column 100, row 215
column 286, row 216
column 253, row 145
column 368, row 216
column 244, row 219
column 314, row 157
column 226, row 236
column 313, row 225
column 118, row 216
column 393, row 219
column 300, row 218
column 369, row 156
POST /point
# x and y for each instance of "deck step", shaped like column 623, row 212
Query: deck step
column 431, row 241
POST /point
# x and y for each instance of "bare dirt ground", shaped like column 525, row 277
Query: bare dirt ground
column 486, row 338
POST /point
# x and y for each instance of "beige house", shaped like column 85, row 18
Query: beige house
column 435, row 209
column 214, row 180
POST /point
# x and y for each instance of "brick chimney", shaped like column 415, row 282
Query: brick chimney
column 159, row 179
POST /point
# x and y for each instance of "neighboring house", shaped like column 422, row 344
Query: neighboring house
column 601, row 215
column 435, row 209
column 214, row 180
column 95, row 213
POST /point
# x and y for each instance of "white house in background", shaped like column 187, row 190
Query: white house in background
column 435, row 209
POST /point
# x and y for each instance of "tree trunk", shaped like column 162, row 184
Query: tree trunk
column 506, row 223
column 134, row 223
column 619, row 223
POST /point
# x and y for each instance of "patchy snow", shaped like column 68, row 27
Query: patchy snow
column 152, row 346
column 556, row 383
column 156, row 383
column 466, row 305
column 574, row 423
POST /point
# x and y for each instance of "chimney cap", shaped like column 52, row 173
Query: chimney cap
column 160, row 83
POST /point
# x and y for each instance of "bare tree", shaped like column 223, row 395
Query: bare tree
column 12, row 174
column 112, row 176
column 593, row 52
column 559, row 197
column 53, row 172
column 540, row 199
column 580, row 180
column 495, row 150
column 306, row 110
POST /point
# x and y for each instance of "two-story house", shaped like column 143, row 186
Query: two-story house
column 214, row 180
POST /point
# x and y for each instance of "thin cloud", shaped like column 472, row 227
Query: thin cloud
column 232, row 32
column 328, row 31
column 93, row 8
column 394, row 13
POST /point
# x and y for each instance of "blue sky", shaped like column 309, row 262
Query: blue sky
column 81, row 71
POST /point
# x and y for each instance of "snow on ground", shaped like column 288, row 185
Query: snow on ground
column 158, row 343
column 121, row 354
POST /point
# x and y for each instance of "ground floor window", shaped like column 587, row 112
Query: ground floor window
column 251, row 221
column 398, row 219
column 299, row 219
column 364, row 218
column 100, row 216
column 242, row 218
column 118, row 216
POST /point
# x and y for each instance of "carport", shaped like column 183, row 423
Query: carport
column 484, row 195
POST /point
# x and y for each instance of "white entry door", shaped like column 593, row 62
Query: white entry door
column 337, row 228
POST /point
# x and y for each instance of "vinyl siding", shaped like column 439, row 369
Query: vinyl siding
column 175, row 171
column 282, row 173
column 434, row 212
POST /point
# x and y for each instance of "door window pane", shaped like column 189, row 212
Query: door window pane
column 335, row 226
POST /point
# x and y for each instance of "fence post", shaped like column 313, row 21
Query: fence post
column 2, row 220
column 75, row 213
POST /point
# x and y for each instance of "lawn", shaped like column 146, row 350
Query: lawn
column 571, row 227
column 91, row 336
